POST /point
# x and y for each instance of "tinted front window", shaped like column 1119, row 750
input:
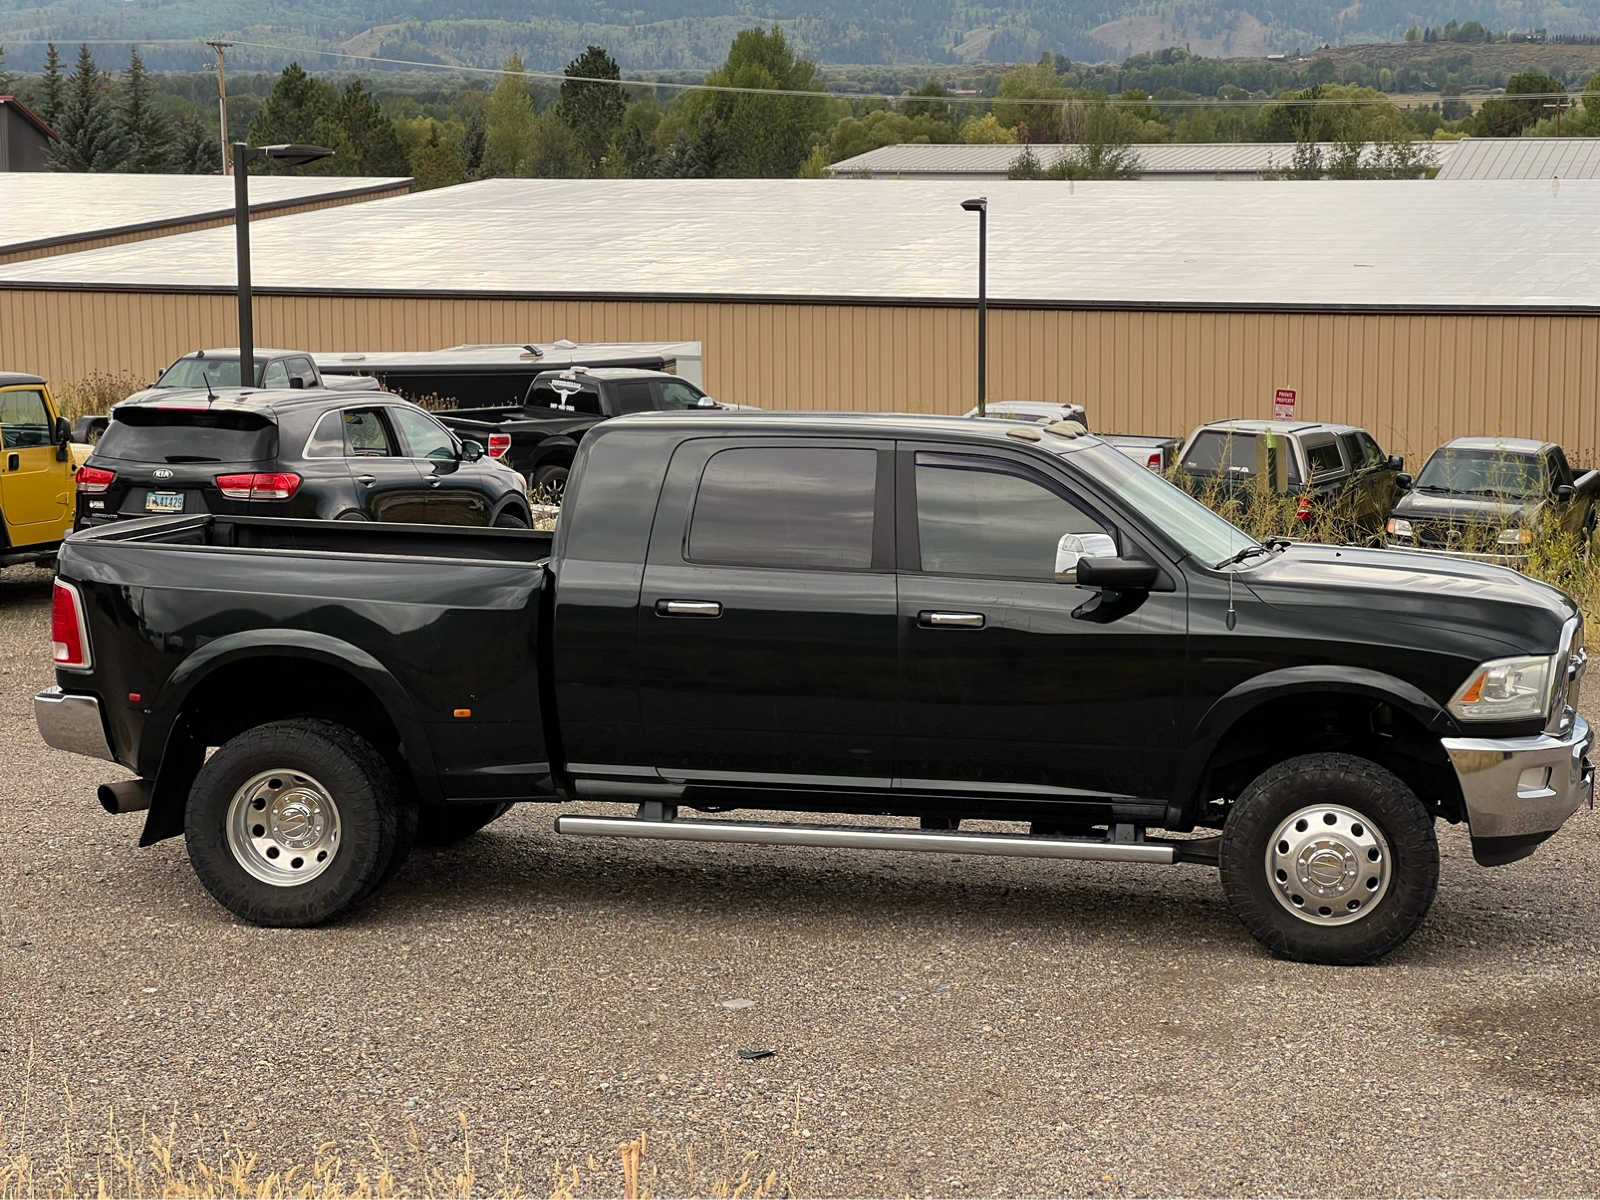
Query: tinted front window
column 634, row 397
column 1371, row 453
column 977, row 520
column 24, row 420
column 783, row 506
column 201, row 372
column 425, row 436
column 140, row 434
column 1482, row 473
column 1221, row 452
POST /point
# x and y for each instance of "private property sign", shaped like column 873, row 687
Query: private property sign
column 1283, row 405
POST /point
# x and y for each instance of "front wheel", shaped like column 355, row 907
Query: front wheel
column 1329, row 858
column 295, row 822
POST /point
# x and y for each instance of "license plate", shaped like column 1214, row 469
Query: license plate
column 164, row 502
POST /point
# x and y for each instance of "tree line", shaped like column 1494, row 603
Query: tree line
column 775, row 122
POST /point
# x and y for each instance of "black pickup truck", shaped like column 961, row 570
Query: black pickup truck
column 540, row 436
column 932, row 620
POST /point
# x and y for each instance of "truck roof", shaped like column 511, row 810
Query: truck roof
column 18, row 379
column 233, row 352
column 1508, row 445
column 1243, row 425
column 609, row 374
column 491, row 360
column 850, row 424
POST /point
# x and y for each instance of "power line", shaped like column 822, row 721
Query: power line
column 820, row 94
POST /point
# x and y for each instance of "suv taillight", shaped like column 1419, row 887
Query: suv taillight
column 67, row 629
column 266, row 485
column 95, row 479
column 499, row 443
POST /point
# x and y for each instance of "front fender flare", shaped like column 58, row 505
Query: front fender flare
column 1289, row 683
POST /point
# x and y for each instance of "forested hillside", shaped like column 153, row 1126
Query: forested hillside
column 664, row 34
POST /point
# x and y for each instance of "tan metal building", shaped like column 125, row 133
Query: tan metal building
column 1416, row 311
column 51, row 212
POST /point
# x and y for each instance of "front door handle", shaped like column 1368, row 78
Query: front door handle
column 949, row 620
column 13, row 462
column 366, row 480
column 704, row 609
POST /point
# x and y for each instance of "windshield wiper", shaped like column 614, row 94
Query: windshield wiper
column 1240, row 556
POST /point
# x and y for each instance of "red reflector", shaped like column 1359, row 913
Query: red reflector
column 266, row 485
column 94, row 479
column 499, row 443
column 1154, row 462
column 135, row 698
column 66, row 628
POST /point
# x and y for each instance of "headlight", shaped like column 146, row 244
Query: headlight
column 1507, row 689
column 1516, row 537
column 1399, row 527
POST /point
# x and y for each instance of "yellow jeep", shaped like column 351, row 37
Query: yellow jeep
column 38, row 468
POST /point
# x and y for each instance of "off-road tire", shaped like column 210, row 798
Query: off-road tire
column 447, row 824
column 550, row 483
column 376, row 826
column 1387, row 805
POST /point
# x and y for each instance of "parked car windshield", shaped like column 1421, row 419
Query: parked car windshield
column 1481, row 473
column 1190, row 524
column 217, row 372
column 165, row 435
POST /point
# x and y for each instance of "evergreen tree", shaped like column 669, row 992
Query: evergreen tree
column 593, row 111
column 52, row 92
column 299, row 109
column 195, row 148
column 508, row 125
column 8, row 81
column 146, row 132
column 367, row 143
column 438, row 162
column 744, row 135
column 90, row 137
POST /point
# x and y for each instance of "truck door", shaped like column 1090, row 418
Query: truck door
column 767, row 648
column 1009, row 685
column 36, row 487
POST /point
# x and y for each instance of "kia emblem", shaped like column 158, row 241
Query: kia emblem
column 162, row 473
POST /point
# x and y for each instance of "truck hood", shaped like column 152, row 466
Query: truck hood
column 1456, row 599
column 1478, row 510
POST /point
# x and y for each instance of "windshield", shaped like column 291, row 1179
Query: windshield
column 1482, row 473
column 217, row 372
column 1191, row 525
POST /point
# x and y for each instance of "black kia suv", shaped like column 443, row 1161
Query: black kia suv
column 293, row 453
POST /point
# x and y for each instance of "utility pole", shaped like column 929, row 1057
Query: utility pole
column 222, row 98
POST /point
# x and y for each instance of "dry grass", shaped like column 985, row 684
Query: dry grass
column 140, row 1162
column 96, row 393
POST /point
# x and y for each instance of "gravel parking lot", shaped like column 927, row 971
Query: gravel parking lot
column 940, row 1025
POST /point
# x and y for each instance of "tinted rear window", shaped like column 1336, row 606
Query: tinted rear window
column 1218, row 452
column 165, row 435
column 786, row 506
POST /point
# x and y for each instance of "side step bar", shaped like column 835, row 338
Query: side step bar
column 864, row 838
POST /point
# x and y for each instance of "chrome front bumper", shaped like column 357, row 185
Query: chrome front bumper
column 1518, row 791
column 72, row 723
column 1492, row 557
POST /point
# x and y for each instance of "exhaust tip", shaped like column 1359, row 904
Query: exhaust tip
column 130, row 795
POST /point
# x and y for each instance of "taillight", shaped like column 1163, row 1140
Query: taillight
column 265, row 485
column 95, row 480
column 499, row 443
column 67, row 629
column 1154, row 461
column 1303, row 510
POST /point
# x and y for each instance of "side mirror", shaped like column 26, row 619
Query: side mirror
column 1117, row 574
column 1404, row 482
column 1565, row 492
column 63, row 431
column 1074, row 548
column 706, row 402
column 296, row 382
column 1396, row 463
column 472, row 451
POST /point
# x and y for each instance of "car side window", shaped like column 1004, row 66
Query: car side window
column 634, row 397
column 425, row 437
column 985, row 517
column 327, row 437
column 1353, row 453
column 800, row 507
column 24, row 420
column 1560, row 470
column 276, row 375
column 1324, row 459
column 366, row 434
column 676, row 394
column 300, row 368
column 1371, row 453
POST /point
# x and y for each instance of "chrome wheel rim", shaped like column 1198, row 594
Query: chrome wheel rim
column 283, row 827
column 1328, row 865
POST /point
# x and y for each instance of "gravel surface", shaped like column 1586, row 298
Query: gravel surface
column 940, row 1025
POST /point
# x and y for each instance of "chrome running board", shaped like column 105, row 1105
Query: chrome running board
column 865, row 838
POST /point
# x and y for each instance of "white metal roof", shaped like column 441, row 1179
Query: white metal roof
column 49, row 207
column 1512, row 244
column 1524, row 158
column 1176, row 158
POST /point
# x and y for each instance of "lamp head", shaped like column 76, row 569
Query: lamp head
column 295, row 154
column 976, row 204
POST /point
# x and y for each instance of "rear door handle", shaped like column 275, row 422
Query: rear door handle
column 949, row 620
column 704, row 609
column 13, row 462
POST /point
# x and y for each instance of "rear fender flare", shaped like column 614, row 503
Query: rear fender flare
column 554, row 451
column 1288, row 685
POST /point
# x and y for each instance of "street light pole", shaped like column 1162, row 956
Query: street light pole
column 243, row 156
column 980, row 205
